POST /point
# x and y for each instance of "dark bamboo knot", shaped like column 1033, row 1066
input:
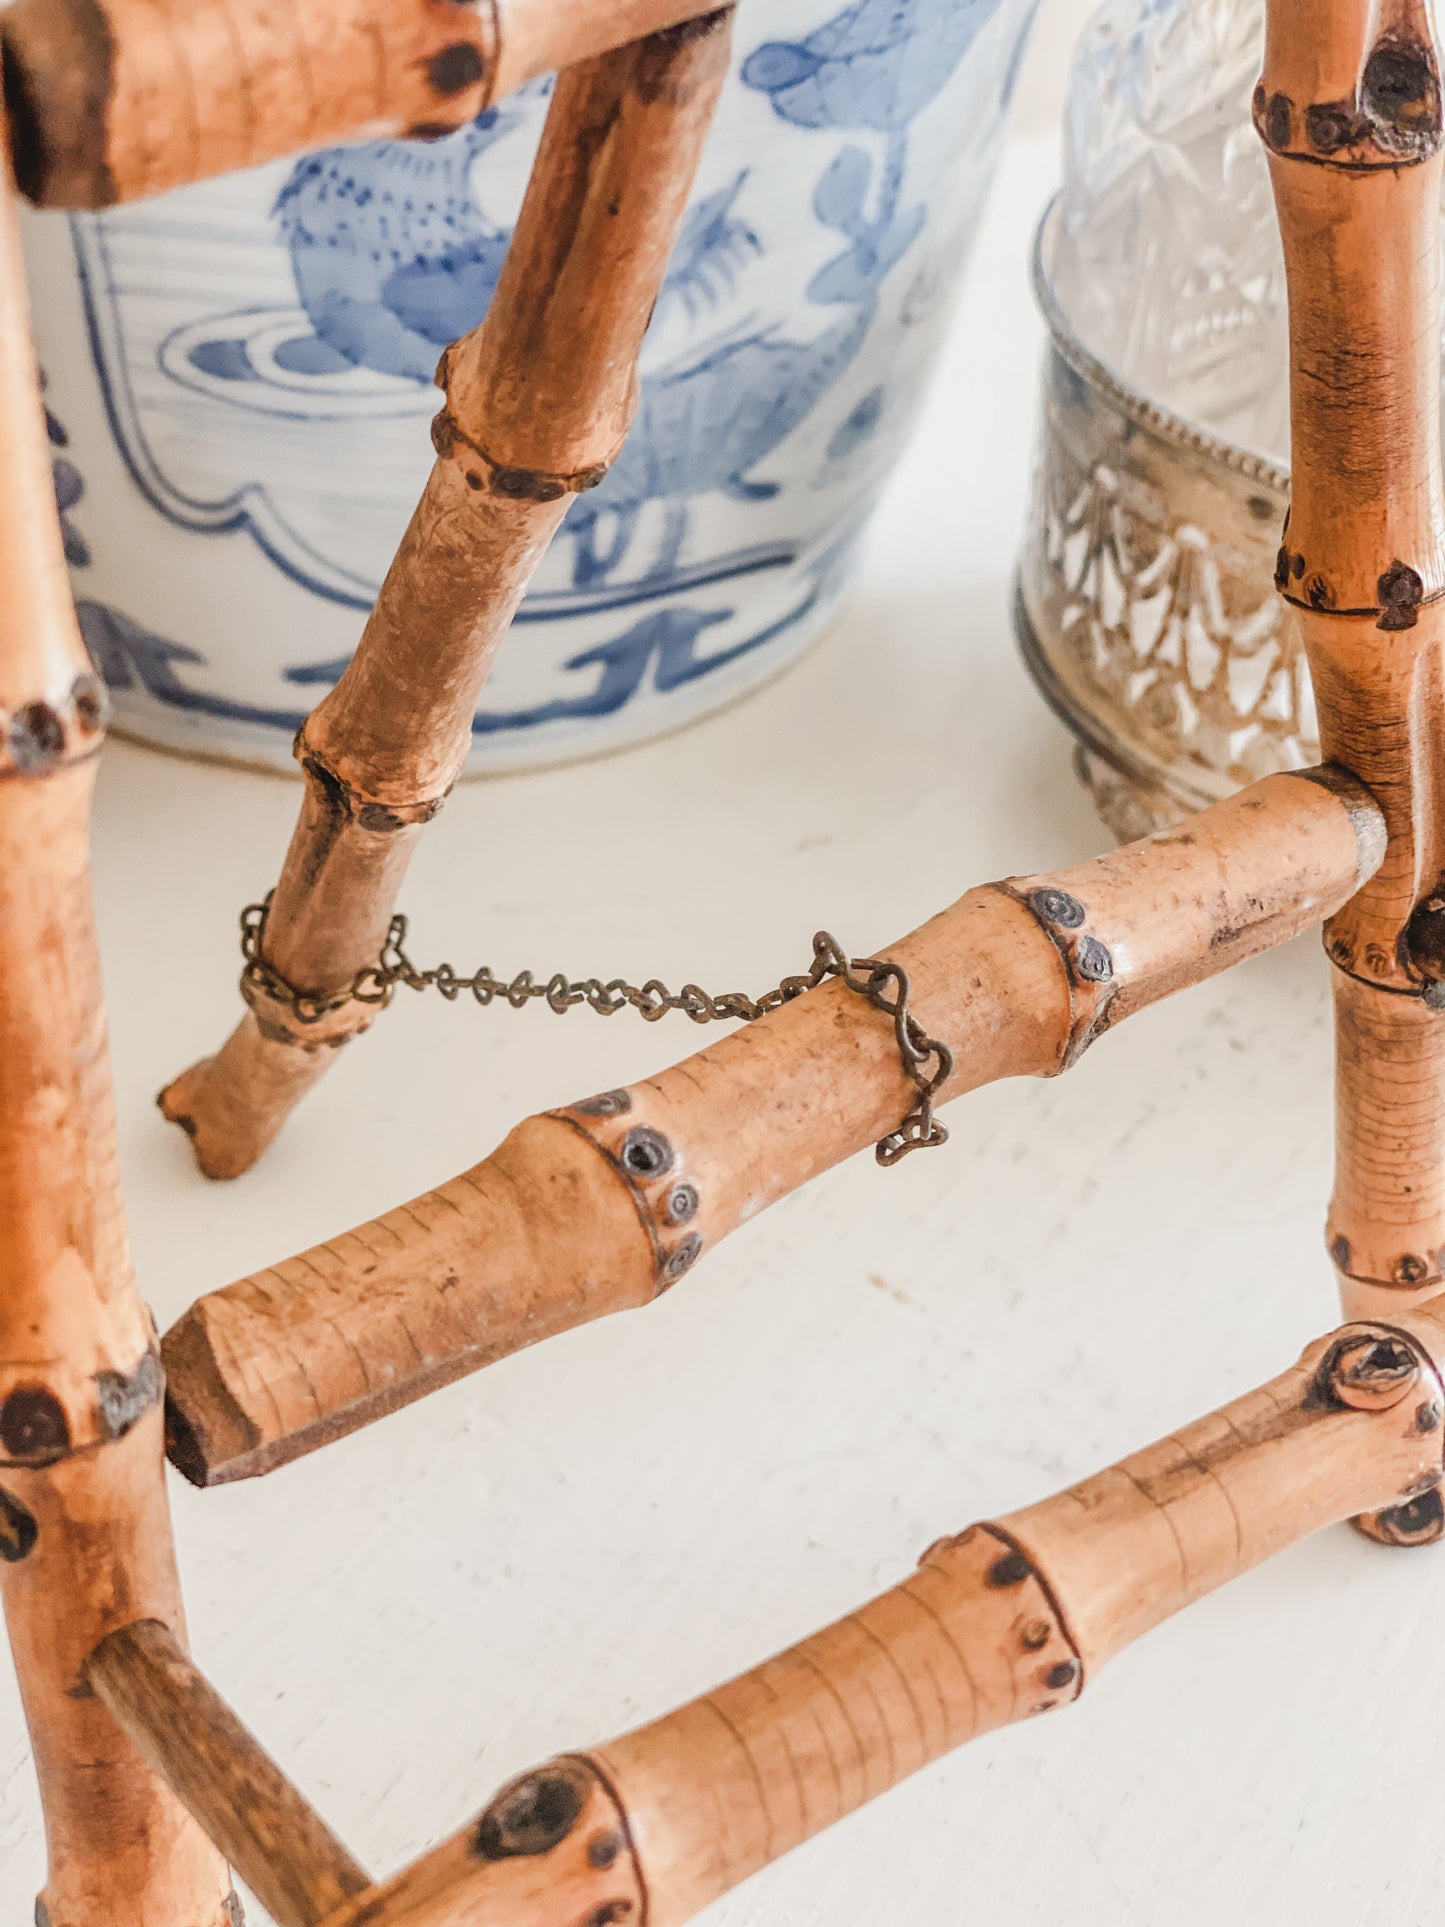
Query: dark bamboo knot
column 927, row 1063
column 1370, row 1369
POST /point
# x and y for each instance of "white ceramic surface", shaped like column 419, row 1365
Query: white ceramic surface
column 240, row 386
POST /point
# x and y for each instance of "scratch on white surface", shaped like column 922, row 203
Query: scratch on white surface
column 895, row 1292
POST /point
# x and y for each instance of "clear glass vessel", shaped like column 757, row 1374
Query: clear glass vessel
column 1146, row 606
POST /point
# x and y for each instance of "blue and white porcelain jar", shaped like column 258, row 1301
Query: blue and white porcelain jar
column 240, row 384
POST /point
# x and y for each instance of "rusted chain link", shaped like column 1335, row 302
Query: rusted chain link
column 927, row 1063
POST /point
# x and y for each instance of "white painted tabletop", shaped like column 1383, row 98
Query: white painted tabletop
column 589, row 1533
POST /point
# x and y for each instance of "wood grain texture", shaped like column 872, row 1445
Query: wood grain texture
column 112, row 100
column 539, row 398
column 185, row 1731
column 1004, row 1622
column 84, row 1528
column 1350, row 112
column 606, row 1204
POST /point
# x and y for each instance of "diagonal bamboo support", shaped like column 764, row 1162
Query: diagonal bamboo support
column 185, row 1731
column 1349, row 109
column 538, row 401
column 111, row 100
column 604, row 1205
column 1007, row 1621
column 85, row 1539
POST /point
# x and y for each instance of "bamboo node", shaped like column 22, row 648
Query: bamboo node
column 1419, row 1522
column 18, row 1530
column 367, row 812
column 1393, row 117
column 1425, row 945
column 40, row 735
column 125, row 1398
column 1401, row 591
column 483, row 472
column 533, row 1814
column 1087, row 959
column 1369, row 1369
column 33, row 1427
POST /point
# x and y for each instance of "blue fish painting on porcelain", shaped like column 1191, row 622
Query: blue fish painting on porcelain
column 241, row 375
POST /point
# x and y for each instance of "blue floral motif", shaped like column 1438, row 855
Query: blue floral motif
column 393, row 255
column 131, row 656
column 878, row 64
column 393, row 258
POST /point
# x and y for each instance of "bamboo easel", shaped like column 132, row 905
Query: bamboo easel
column 149, row 1782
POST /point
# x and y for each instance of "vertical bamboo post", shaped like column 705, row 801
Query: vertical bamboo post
column 85, row 1540
column 1349, row 110
column 538, row 400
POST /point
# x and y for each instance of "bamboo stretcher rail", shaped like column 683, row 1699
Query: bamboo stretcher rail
column 605, row 1204
column 111, row 100
column 538, row 400
column 85, row 1537
column 1349, row 110
column 1006, row 1621
column 184, row 1730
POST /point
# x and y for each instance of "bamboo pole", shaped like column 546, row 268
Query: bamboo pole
column 111, row 100
column 538, row 401
column 84, row 1528
column 1349, row 109
column 606, row 1203
column 1007, row 1621
column 184, row 1730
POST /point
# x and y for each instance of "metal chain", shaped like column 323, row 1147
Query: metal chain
column 884, row 984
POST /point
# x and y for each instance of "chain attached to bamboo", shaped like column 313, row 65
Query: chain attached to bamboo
column 884, row 985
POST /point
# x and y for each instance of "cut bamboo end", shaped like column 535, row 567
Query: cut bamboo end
column 1005, row 1622
column 187, row 1734
column 112, row 100
column 523, row 1208
column 233, row 1105
column 605, row 1204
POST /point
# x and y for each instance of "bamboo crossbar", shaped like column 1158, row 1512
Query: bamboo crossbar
column 181, row 1727
column 112, row 100
column 605, row 1204
column 1004, row 1622
column 538, row 400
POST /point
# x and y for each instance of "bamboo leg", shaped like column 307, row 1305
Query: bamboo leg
column 115, row 99
column 538, row 401
column 1005, row 1622
column 182, row 1728
column 84, row 1529
column 607, row 1203
column 1349, row 108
